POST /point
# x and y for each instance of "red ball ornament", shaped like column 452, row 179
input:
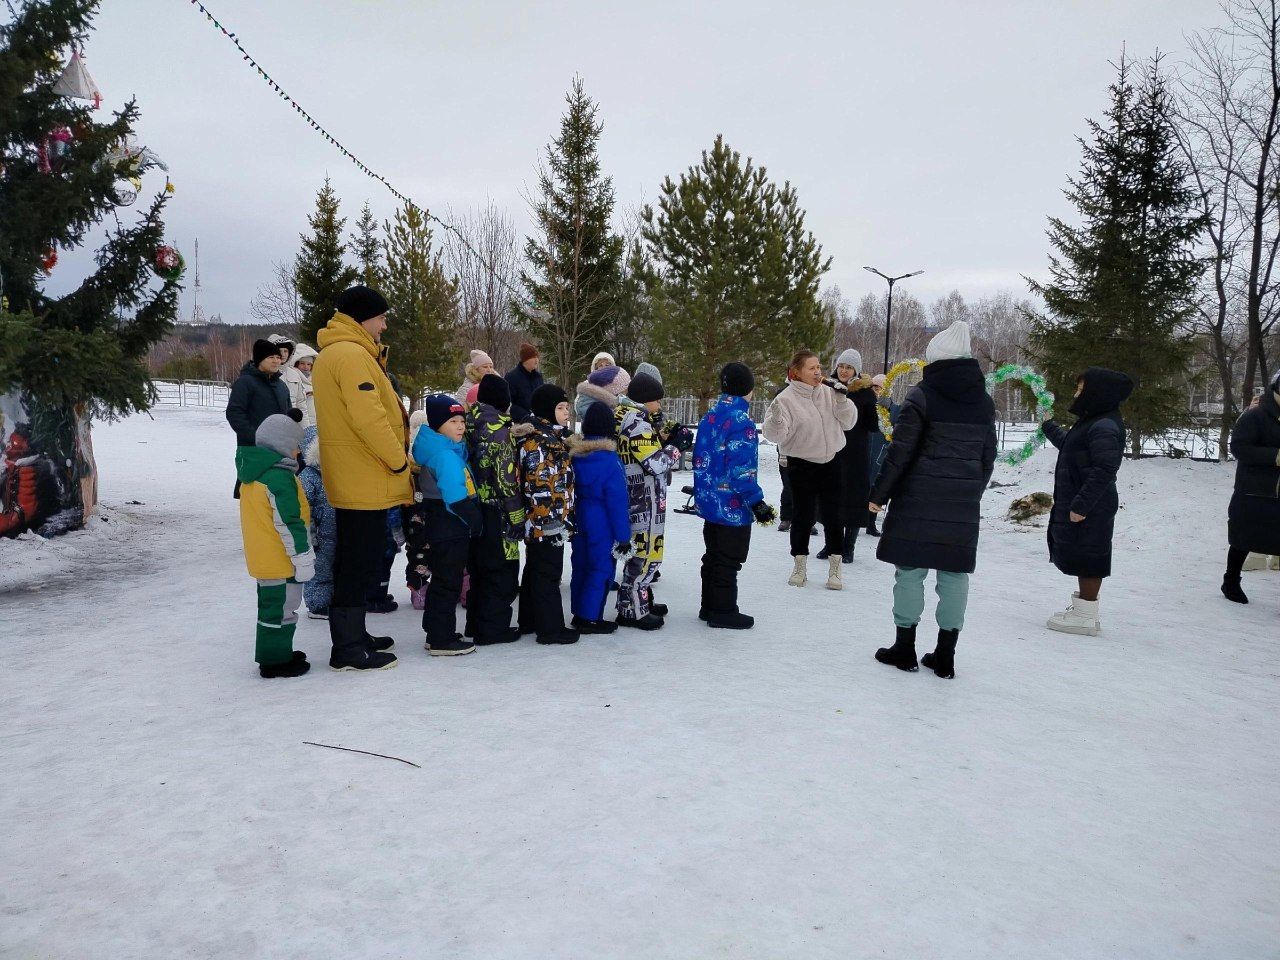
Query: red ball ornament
column 169, row 263
column 49, row 260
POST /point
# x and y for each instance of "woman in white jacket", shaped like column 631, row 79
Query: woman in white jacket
column 807, row 421
column 300, row 384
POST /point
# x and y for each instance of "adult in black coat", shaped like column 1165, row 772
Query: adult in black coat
column 938, row 465
column 1253, row 519
column 257, row 393
column 855, row 457
column 523, row 379
column 1084, row 492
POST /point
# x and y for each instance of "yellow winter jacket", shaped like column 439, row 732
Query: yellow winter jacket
column 275, row 517
column 360, row 421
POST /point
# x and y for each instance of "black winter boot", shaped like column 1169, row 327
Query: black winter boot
column 1232, row 590
column 647, row 622
column 350, row 646
column 593, row 626
column 509, row 635
column 562, row 637
column 730, row 621
column 378, row 644
column 456, row 646
column 943, row 659
column 294, row 667
column 903, row 652
column 824, row 552
column 850, row 538
column 871, row 527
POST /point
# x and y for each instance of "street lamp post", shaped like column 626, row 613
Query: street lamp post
column 888, row 314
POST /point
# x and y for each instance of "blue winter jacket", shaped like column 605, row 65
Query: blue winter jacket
column 726, row 458
column 601, row 512
column 324, row 522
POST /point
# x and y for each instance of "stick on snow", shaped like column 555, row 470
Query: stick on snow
column 367, row 753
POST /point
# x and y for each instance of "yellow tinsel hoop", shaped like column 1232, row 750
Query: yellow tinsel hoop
column 886, row 426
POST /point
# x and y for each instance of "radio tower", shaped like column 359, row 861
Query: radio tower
column 197, row 314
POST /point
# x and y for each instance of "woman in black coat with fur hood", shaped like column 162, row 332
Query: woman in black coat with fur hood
column 1253, row 519
column 1085, row 500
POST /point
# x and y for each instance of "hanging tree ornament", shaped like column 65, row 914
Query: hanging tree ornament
column 76, row 83
column 1044, row 405
column 49, row 259
column 169, row 263
column 886, row 425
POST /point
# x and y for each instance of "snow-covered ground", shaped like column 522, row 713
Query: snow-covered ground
column 685, row 794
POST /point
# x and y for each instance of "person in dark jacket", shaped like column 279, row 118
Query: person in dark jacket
column 856, row 478
column 1253, row 519
column 524, row 378
column 451, row 519
column 257, row 393
column 1084, row 493
column 939, row 462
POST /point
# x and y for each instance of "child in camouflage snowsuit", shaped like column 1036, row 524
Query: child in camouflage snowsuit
column 494, row 563
column 318, row 591
column 648, row 459
column 546, row 479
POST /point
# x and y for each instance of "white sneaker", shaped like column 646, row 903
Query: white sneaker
column 833, row 577
column 799, row 576
column 1080, row 617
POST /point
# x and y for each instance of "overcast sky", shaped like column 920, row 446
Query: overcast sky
column 934, row 136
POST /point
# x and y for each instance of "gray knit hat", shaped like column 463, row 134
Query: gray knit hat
column 281, row 432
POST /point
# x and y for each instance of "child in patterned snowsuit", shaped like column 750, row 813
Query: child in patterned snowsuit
column 648, row 460
column 318, row 591
column 546, row 480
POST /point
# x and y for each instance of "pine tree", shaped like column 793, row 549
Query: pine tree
column 321, row 270
column 1123, row 282
column 735, row 273
column 90, row 345
column 368, row 249
column 574, row 263
column 422, row 330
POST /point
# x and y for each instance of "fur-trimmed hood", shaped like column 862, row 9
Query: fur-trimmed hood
column 521, row 430
column 580, row 446
column 588, row 389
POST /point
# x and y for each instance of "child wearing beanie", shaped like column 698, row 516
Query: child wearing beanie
column 648, row 460
column 274, row 518
column 494, row 564
column 605, row 385
column 726, row 461
column 450, row 517
column 602, row 522
column 478, row 366
column 546, row 480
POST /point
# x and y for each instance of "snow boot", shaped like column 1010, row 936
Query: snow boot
column 351, row 648
column 510, row 635
column 834, row 581
column 658, row 609
column 319, row 613
column 647, row 622
column 799, row 576
column 563, row 637
column 943, row 659
column 1232, row 590
column 850, row 538
column 784, row 526
column 730, row 621
column 593, row 626
column 871, row 527
column 903, row 652
column 294, row 667
column 451, row 648
column 1080, row 617
column 824, row 552
column 378, row 644
column 383, row 604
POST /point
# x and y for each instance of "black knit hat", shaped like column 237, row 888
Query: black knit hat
column 644, row 388
column 361, row 303
column 441, row 408
column 263, row 349
column 598, row 421
column 736, row 379
column 545, row 400
column 494, row 391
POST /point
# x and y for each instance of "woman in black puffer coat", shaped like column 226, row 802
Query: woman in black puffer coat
column 937, row 467
column 1085, row 500
column 855, row 458
column 1253, row 519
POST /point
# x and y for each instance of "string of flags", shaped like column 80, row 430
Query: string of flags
column 359, row 164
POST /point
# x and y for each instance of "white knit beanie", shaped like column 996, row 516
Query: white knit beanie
column 951, row 344
column 479, row 358
column 603, row 355
column 850, row 358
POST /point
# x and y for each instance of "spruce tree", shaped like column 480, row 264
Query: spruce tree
column 735, row 273
column 422, row 329
column 573, row 264
column 90, row 345
column 1123, row 283
column 321, row 271
column 367, row 248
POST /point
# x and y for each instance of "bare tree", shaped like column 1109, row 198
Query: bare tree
column 487, row 271
column 277, row 302
column 1000, row 328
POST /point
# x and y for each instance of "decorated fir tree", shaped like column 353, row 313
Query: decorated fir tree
column 63, row 173
column 321, row 271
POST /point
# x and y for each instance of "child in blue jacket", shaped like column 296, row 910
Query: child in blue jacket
column 602, row 518
column 451, row 516
column 318, row 591
column 726, row 458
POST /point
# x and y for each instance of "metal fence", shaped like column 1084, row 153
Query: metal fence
column 193, row 393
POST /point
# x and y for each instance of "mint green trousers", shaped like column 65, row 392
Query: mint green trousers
column 908, row 597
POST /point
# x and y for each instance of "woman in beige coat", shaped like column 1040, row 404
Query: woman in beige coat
column 808, row 421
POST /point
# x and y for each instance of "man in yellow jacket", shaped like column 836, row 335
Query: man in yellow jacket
column 362, row 429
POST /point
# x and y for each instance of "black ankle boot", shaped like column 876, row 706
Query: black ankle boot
column 1232, row 590
column 903, row 652
column 850, row 538
column 943, row 659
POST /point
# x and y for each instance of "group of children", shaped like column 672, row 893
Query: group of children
column 485, row 485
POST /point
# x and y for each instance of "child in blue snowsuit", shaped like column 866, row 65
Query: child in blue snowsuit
column 324, row 529
column 726, row 461
column 603, row 520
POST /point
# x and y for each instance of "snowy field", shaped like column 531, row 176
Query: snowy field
column 686, row 794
